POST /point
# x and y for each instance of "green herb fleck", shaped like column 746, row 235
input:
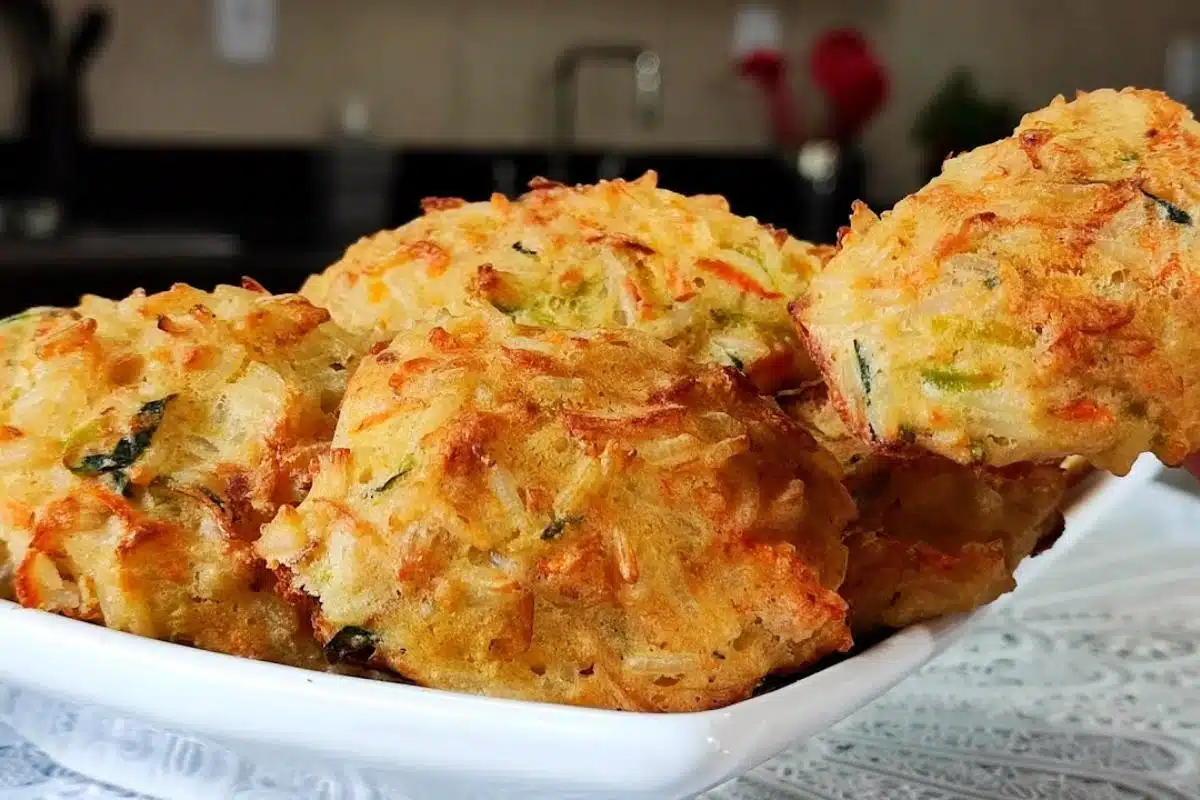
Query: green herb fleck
column 353, row 644
column 1174, row 213
column 953, row 380
column 405, row 468
column 211, row 495
column 1128, row 157
column 991, row 281
column 127, row 450
column 556, row 526
column 120, row 480
column 736, row 362
column 864, row 369
column 978, row 451
column 511, row 311
column 523, row 250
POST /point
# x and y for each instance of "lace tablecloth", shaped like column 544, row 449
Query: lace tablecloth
column 1086, row 686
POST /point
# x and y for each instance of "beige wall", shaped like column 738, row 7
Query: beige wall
column 478, row 71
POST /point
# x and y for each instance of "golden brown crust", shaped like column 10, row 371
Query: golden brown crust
column 583, row 518
column 617, row 254
column 852, row 418
column 1033, row 302
column 932, row 537
column 145, row 441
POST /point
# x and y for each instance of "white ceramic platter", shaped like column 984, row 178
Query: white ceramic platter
column 405, row 741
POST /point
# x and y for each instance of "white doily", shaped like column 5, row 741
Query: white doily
column 1086, row 687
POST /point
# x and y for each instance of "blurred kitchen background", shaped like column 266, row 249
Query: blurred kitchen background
column 148, row 141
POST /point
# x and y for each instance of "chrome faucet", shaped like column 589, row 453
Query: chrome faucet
column 647, row 89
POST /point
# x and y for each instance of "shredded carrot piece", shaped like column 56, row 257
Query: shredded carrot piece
column 639, row 302
column 436, row 259
column 726, row 272
column 1084, row 411
column 571, row 278
column 409, row 369
column 679, row 290
column 377, row 418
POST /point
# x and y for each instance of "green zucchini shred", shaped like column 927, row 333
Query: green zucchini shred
column 953, row 380
column 751, row 251
column 990, row 331
column 864, row 369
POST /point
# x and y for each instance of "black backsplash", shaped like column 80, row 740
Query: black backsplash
column 270, row 198
column 266, row 195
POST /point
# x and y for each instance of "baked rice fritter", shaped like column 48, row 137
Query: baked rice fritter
column 584, row 518
column 6, row 570
column 616, row 254
column 13, row 331
column 1039, row 299
column 143, row 443
column 932, row 537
